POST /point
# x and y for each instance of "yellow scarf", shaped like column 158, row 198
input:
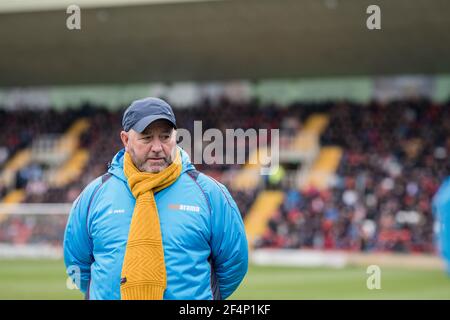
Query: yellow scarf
column 143, row 270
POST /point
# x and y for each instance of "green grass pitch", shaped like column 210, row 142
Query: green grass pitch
column 45, row 279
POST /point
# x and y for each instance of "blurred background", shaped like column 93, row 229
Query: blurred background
column 363, row 118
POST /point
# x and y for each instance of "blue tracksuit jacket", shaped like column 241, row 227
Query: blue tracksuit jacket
column 205, row 247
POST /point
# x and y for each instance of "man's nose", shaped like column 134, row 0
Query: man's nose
column 156, row 146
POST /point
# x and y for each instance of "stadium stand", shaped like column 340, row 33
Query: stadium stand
column 392, row 163
column 366, row 187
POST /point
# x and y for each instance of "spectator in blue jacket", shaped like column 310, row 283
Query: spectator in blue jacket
column 203, row 237
column 441, row 211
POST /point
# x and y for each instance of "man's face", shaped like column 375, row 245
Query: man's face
column 154, row 149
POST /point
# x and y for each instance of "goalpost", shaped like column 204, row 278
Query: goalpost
column 32, row 230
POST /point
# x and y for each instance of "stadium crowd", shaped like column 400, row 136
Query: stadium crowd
column 395, row 156
column 25, row 124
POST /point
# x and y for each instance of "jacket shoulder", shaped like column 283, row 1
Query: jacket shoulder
column 89, row 191
column 213, row 189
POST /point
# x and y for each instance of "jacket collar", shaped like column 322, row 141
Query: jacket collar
column 116, row 166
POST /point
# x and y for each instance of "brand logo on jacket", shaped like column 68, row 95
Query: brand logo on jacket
column 184, row 207
column 116, row 211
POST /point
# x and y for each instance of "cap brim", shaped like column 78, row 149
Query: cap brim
column 145, row 122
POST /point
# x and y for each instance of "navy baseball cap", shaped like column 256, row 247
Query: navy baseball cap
column 141, row 113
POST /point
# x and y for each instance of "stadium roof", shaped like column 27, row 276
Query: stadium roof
column 45, row 5
column 145, row 41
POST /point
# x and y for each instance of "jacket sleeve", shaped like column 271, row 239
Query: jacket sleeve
column 228, row 242
column 78, row 255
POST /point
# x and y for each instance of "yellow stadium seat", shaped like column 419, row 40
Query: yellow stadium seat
column 260, row 213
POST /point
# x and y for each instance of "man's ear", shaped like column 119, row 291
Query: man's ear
column 124, row 136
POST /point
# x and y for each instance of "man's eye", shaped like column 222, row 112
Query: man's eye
column 165, row 137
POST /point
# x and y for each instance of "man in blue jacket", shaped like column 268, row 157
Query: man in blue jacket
column 204, row 246
column 441, row 212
